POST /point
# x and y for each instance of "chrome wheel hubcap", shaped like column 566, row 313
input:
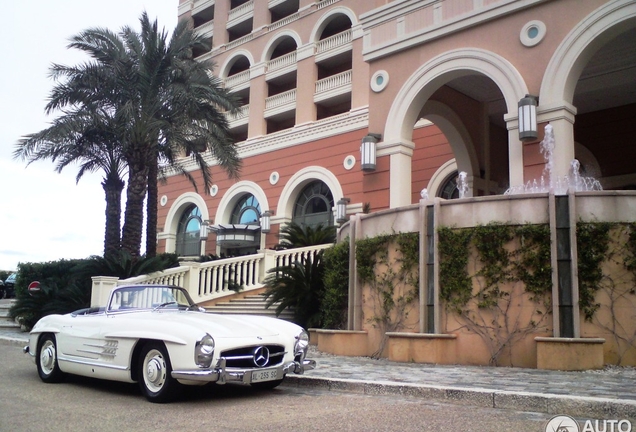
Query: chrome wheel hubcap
column 154, row 370
column 47, row 357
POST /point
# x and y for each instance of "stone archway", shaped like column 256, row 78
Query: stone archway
column 417, row 90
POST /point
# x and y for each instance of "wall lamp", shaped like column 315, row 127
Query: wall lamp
column 204, row 230
column 266, row 221
column 341, row 210
column 368, row 151
column 528, row 118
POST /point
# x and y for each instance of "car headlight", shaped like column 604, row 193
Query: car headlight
column 204, row 351
column 301, row 344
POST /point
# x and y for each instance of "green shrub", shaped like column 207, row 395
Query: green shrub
column 65, row 285
column 335, row 301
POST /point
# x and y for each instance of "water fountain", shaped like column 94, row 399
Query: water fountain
column 462, row 184
column 548, row 182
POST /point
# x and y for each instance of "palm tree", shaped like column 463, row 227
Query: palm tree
column 164, row 102
column 88, row 137
column 294, row 235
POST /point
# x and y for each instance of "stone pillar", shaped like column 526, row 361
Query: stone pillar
column 306, row 75
column 257, row 125
column 561, row 118
column 515, row 152
column 100, row 292
column 401, row 154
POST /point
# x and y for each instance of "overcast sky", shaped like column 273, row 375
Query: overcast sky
column 44, row 215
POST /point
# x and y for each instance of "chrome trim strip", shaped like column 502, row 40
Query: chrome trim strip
column 87, row 363
column 221, row 375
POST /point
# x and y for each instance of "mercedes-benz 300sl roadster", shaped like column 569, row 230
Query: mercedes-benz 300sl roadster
column 157, row 336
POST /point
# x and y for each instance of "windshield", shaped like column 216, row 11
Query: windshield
column 148, row 298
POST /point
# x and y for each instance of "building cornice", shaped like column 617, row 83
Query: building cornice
column 300, row 134
column 387, row 23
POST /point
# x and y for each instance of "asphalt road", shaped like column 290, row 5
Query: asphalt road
column 81, row 404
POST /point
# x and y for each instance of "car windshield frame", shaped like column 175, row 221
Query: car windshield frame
column 137, row 298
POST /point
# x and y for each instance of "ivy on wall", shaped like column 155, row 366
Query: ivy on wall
column 392, row 278
column 607, row 270
column 479, row 267
column 499, row 264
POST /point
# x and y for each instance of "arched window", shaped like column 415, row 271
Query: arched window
column 247, row 211
column 449, row 187
column 313, row 206
column 188, row 241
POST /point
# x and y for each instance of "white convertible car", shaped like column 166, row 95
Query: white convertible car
column 156, row 336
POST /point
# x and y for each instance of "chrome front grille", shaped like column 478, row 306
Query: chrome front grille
column 256, row 356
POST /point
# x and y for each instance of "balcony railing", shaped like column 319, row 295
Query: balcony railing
column 334, row 41
column 325, row 3
column 240, row 12
column 239, row 118
column 237, row 79
column 281, row 62
column 214, row 279
column 334, row 82
column 205, row 30
column 283, row 22
column 280, row 99
column 239, row 41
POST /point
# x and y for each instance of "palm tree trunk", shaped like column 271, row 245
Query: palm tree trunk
column 151, row 207
column 134, row 215
column 113, row 187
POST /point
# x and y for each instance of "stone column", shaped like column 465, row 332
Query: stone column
column 561, row 118
column 401, row 154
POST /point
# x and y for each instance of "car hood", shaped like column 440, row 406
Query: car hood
column 219, row 326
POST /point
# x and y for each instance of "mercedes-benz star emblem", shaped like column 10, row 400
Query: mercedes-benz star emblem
column 261, row 356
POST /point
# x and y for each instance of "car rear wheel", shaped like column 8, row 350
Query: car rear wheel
column 267, row 385
column 155, row 373
column 46, row 360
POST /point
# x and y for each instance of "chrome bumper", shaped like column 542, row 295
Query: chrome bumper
column 221, row 375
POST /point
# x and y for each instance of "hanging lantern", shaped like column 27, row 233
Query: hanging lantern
column 266, row 221
column 368, row 151
column 341, row 210
column 528, row 118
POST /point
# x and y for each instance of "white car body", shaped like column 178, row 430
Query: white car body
column 174, row 337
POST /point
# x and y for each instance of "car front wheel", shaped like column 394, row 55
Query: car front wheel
column 155, row 379
column 46, row 360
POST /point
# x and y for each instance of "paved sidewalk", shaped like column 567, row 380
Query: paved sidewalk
column 609, row 394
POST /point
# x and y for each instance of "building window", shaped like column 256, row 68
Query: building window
column 314, row 205
column 188, row 241
column 247, row 211
column 449, row 187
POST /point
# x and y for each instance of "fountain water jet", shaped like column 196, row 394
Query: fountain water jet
column 549, row 182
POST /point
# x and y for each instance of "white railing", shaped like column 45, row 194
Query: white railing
column 243, row 112
column 283, row 22
column 237, row 79
column 239, row 41
column 280, row 99
column 287, row 257
column 325, row 3
column 334, row 41
column 281, row 62
column 205, row 29
column 173, row 276
column 333, row 82
column 217, row 278
column 241, row 10
column 213, row 279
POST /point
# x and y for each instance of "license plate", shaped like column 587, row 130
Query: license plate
column 265, row 375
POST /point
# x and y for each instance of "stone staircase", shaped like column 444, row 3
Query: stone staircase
column 6, row 323
column 249, row 305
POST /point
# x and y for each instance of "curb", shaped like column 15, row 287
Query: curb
column 6, row 340
column 553, row 404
